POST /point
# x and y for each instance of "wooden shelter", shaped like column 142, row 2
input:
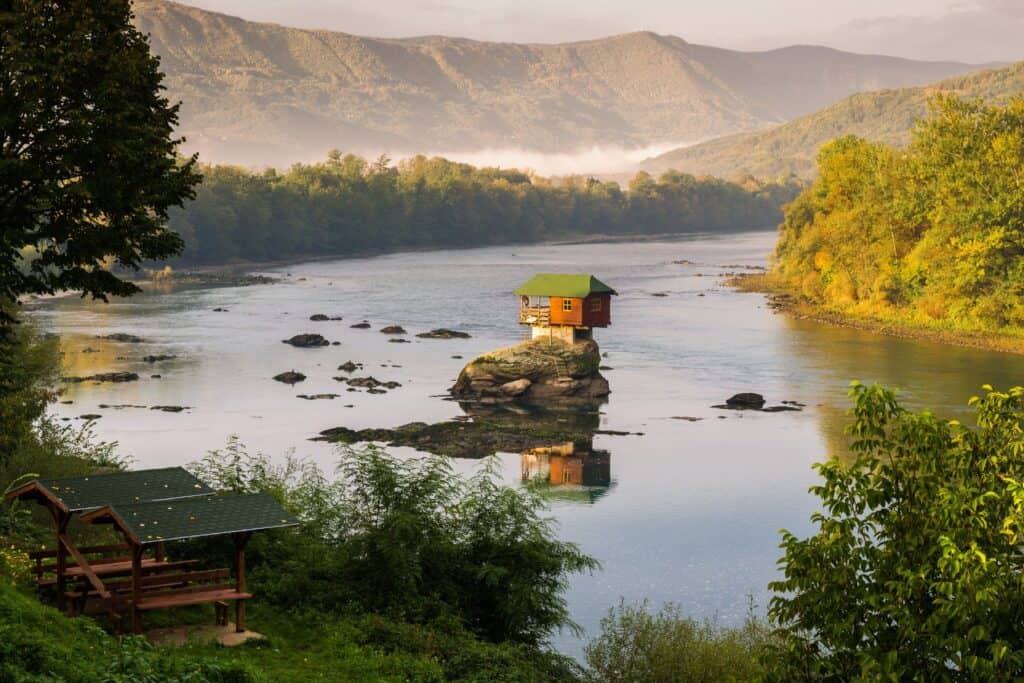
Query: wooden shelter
column 565, row 306
column 148, row 508
column 66, row 497
column 151, row 523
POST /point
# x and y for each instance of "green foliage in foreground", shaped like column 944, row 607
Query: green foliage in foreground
column 933, row 235
column 410, row 539
column 39, row 644
column 915, row 569
column 345, row 205
column 637, row 646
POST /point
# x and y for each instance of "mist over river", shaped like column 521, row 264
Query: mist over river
column 689, row 511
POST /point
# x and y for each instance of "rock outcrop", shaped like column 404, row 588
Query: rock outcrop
column 552, row 374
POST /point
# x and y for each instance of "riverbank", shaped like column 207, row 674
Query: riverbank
column 782, row 299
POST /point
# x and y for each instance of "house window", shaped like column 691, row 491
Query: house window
column 566, row 304
column 566, row 476
column 595, row 305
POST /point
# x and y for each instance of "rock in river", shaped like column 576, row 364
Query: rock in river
column 104, row 377
column 752, row 401
column 122, row 337
column 349, row 366
column 290, row 377
column 745, row 401
column 361, row 326
column 443, row 333
column 393, row 329
column 540, row 372
column 307, row 341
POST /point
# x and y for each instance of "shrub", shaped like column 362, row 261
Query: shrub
column 638, row 646
column 914, row 571
column 408, row 538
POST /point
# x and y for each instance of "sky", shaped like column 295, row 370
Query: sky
column 973, row 31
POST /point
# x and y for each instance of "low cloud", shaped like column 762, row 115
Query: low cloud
column 595, row 160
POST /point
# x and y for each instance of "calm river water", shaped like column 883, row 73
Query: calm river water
column 688, row 512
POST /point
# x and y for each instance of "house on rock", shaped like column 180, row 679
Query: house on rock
column 564, row 306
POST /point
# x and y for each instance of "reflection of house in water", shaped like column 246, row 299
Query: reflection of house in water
column 574, row 471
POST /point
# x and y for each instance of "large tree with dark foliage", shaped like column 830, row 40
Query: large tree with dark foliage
column 88, row 167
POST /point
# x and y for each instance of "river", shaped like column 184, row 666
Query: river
column 688, row 512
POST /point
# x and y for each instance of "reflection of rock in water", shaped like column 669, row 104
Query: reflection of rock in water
column 572, row 470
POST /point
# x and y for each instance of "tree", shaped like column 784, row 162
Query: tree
column 915, row 569
column 88, row 164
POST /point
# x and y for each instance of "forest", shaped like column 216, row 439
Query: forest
column 346, row 205
column 932, row 235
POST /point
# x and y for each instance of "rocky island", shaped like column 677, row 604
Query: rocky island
column 550, row 373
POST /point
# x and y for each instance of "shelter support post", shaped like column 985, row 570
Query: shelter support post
column 60, row 520
column 136, row 588
column 240, row 540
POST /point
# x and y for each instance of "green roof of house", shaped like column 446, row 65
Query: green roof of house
column 175, row 520
column 76, row 494
column 574, row 285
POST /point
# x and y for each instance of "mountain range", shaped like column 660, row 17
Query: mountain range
column 257, row 93
column 884, row 116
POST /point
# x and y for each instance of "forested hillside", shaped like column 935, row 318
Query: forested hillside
column 258, row 93
column 346, row 205
column 886, row 116
column 932, row 236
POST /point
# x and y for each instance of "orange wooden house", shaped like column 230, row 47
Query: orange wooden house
column 565, row 306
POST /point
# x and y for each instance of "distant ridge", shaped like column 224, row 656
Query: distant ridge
column 885, row 115
column 260, row 93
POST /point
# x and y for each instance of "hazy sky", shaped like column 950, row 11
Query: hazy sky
column 965, row 30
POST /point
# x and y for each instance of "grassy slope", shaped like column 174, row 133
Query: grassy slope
column 37, row 643
column 885, row 116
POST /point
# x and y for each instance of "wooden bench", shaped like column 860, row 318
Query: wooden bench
column 199, row 595
column 40, row 570
column 157, row 580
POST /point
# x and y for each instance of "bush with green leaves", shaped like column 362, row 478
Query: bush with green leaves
column 636, row 645
column 915, row 569
column 409, row 538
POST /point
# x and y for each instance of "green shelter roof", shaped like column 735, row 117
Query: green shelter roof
column 175, row 520
column 76, row 494
column 573, row 285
